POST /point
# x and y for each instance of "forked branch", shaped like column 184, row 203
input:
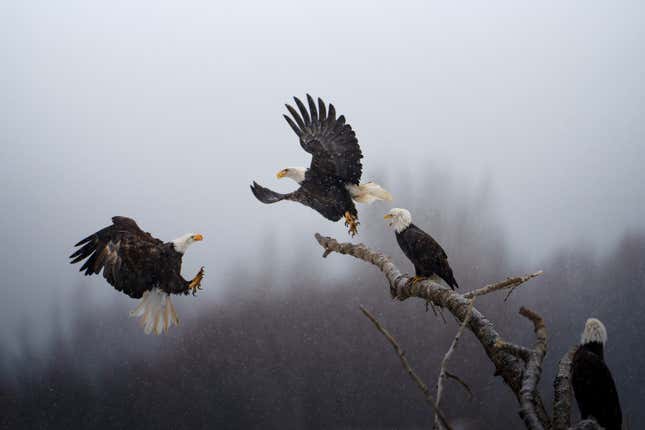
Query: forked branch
column 508, row 365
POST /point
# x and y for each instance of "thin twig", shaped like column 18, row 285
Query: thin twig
column 532, row 373
column 510, row 291
column 404, row 361
column 446, row 357
column 511, row 283
column 462, row 383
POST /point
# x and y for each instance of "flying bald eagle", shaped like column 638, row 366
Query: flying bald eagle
column 331, row 183
column 140, row 266
column 591, row 379
column 428, row 257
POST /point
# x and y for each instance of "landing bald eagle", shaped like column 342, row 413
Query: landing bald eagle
column 331, row 183
column 140, row 266
column 428, row 257
column 591, row 379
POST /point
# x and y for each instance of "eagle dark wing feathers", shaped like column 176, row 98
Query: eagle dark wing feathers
column 322, row 111
column 266, row 195
column 331, row 142
column 303, row 111
column 595, row 389
column 295, row 128
column 132, row 260
column 426, row 254
column 120, row 222
column 335, row 160
column 331, row 202
column 314, row 111
column 103, row 246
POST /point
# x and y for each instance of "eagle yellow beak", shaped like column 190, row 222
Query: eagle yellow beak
column 198, row 237
column 388, row 216
column 281, row 174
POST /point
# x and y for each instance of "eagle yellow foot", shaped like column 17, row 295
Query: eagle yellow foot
column 196, row 283
column 352, row 222
column 416, row 279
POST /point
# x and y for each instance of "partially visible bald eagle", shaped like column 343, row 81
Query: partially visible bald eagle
column 331, row 183
column 140, row 265
column 591, row 379
column 428, row 257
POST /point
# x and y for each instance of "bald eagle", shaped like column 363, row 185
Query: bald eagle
column 141, row 266
column 591, row 379
column 428, row 257
column 331, row 183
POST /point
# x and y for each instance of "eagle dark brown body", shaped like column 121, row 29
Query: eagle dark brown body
column 594, row 386
column 426, row 254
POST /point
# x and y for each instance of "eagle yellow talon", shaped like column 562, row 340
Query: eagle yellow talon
column 196, row 283
column 416, row 279
column 352, row 222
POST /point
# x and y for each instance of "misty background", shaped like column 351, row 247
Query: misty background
column 514, row 133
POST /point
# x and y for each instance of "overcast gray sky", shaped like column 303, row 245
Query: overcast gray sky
column 165, row 111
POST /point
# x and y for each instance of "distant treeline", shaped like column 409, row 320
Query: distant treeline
column 302, row 355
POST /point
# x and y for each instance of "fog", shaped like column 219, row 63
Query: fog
column 530, row 116
column 299, row 354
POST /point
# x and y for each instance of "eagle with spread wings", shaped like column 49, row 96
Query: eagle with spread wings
column 331, row 184
column 141, row 266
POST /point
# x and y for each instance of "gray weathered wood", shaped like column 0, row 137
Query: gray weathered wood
column 507, row 365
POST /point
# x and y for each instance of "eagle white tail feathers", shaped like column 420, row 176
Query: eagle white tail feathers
column 368, row 192
column 156, row 312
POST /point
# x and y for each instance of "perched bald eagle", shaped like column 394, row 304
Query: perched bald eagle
column 331, row 183
column 140, row 266
column 428, row 257
column 591, row 379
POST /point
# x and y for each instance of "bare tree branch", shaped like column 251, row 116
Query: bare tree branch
column 404, row 361
column 507, row 365
column 562, row 392
column 532, row 373
column 446, row 357
column 517, row 350
column 511, row 283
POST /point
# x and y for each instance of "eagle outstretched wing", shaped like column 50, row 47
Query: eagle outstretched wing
column 328, row 201
column 335, row 163
column 331, row 142
column 132, row 260
column 266, row 195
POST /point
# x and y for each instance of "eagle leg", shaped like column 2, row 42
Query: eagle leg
column 196, row 283
column 352, row 222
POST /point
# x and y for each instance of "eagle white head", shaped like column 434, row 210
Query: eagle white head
column 399, row 218
column 594, row 331
column 182, row 243
column 295, row 173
